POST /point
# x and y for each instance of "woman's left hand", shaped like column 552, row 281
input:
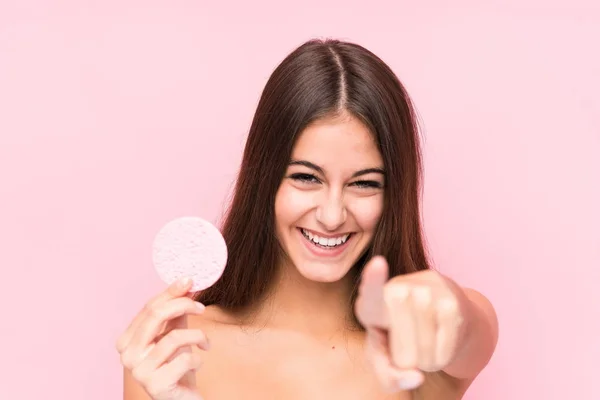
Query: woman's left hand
column 414, row 323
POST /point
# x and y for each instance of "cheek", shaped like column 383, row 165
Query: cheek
column 367, row 211
column 291, row 204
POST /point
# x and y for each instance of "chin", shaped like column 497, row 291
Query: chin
column 321, row 272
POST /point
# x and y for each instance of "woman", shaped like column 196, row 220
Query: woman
column 327, row 292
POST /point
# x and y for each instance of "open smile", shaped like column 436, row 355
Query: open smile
column 325, row 247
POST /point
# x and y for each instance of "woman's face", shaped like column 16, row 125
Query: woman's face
column 331, row 198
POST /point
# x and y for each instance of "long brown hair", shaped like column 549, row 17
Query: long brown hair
column 321, row 78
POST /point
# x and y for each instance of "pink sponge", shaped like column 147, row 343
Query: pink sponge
column 192, row 247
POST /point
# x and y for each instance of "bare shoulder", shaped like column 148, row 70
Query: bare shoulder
column 253, row 355
column 213, row 319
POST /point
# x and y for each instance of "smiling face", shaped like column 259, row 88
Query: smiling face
column 331, row 198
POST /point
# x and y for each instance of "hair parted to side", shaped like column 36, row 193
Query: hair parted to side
column 319, row 79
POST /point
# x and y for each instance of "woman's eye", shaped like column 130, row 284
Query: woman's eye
column 368, row 184
column 306, row 178
column 309, row 178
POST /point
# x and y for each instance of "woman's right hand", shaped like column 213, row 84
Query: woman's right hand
column 156, row 348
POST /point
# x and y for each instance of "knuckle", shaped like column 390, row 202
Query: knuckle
column 396, row 292
column 448, row 305
column 171, row 339
column 421, row 295
column 152, row 310
column 126, row 360
column 148, row 307
column 138, row 375
column 153, row 388
column 155, row 313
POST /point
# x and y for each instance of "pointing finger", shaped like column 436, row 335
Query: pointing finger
column 370, row 305
column 391, row 378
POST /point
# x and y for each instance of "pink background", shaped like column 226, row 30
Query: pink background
column 117, row 116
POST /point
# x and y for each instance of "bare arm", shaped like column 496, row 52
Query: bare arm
column 478, row 343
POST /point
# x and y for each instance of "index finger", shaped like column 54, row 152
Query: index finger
column 176, row 289
column 370, row 306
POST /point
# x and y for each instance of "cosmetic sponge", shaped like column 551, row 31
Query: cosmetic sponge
column 189, row 247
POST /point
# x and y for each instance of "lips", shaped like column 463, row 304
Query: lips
column 324, row 251
column 329, row 241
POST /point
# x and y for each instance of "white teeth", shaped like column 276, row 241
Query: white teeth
column 329, row 242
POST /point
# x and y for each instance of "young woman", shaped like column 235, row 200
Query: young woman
column 327, row 293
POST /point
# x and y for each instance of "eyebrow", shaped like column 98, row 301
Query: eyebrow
column 310, row 165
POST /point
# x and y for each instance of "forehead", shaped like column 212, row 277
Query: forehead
column 338, row 141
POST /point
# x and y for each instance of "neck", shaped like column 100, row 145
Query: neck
column 302, row 305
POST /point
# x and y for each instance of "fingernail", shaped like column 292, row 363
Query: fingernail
column 183, row 282
column 200, row 306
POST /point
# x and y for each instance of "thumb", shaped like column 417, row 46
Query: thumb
column 370, row 305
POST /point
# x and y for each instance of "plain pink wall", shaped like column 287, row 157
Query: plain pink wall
column 117, row 116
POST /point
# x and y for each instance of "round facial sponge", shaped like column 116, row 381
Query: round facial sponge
column 189, row 247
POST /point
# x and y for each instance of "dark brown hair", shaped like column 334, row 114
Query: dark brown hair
column 319, row 79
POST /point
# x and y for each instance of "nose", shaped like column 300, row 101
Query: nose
column 331, row 212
